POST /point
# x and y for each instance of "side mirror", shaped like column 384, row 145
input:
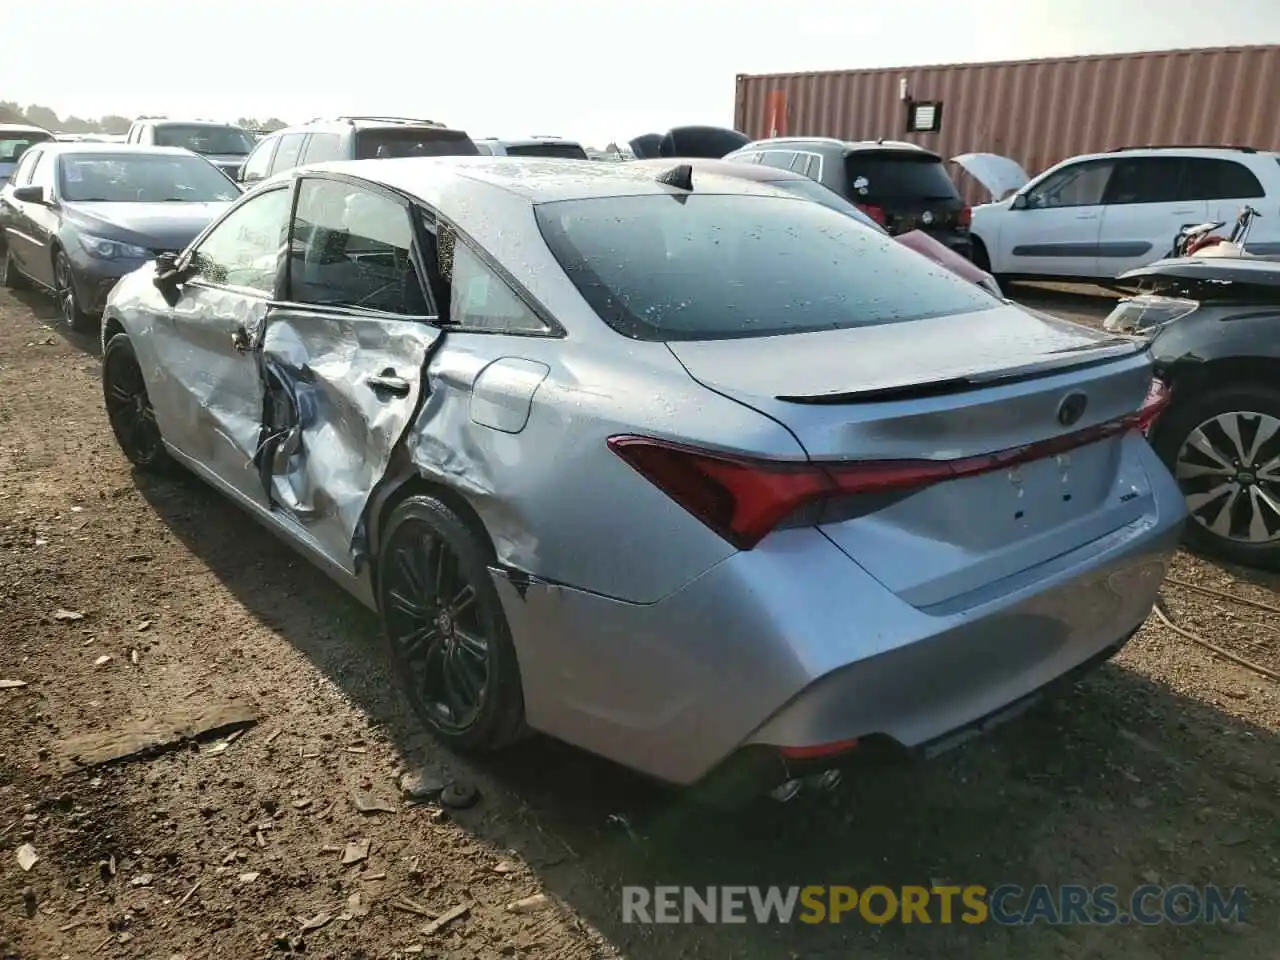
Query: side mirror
column 1020, row 202
column 30, row 195
column 169, row 277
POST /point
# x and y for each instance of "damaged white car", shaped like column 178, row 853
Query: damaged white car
column 1097, row 216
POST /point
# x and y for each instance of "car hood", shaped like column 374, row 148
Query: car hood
column 1004, row 342
column 156, row 226
column 999, row 175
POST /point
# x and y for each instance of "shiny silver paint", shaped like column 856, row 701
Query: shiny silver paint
column 640, row 633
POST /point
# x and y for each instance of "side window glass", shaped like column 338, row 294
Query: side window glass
column 800, row 163
column 289, row 152
column 22, row 173
column 322, row 147
column 259, row 161
column 777, row 158
column 42, row 172
column 244, row 249
column 1145, row 180
column 351, row 248
column 1079, row 185
column 479, row 299
column 1209, row 178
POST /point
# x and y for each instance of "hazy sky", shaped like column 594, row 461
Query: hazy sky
column 591, row 69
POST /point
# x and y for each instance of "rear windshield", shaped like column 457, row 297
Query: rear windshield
column 813, row 190
column 562, row 151
column 390, row 144
column 717, row 266
column 205, row 139
column 12, row 145
column 896, row 176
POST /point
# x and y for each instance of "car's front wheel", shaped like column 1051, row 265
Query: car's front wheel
column 449, row 640
column 133, row 421
column 64, row 289
column 1223, row 447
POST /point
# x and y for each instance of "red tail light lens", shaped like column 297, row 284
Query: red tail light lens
column 965, row 218
column 742, row 499
column 875, row 213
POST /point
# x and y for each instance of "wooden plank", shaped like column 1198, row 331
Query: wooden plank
column 183, row 723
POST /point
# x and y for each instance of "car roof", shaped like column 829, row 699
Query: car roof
column 178, row 122
column 102, row 148
column 22, row 128
column 847, row 146
column 535, row 179
column 758, row 172
column 526, row 141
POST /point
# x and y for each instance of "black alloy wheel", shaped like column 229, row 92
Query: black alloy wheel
column 133, row 421
column 64, row 290
column 449, row 640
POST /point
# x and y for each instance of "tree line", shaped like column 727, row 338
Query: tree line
column 11, row 112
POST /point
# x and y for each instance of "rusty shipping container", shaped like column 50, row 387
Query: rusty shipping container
column 1036, row 111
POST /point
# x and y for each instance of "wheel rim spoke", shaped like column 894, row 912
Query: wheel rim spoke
column 1229, row 472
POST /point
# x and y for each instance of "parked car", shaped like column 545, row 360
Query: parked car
column 532, row 147
column 352, row 138
column 15, row 138
column 1212, row 324
column 76, row 217
column 643, row 465
column 798, row 183
column 223, row 144
column 1097, row 216
column 901, row 186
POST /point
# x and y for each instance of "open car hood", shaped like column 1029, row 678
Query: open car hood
column 1001, row 176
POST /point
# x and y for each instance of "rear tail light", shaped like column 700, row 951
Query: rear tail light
column 875, row 213
column 965, row 217
column 743, row 499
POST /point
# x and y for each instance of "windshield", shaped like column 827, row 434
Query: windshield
column 12, row 146
column 414, row 142
column 206, row 139
column 142, row 178
column 898, row 176
column 563, row 151
column 716, row 266
column 813, row 190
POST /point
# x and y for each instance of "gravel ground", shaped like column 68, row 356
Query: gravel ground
column 124, row 598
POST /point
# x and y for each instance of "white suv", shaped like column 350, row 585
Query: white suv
column 1096, row 216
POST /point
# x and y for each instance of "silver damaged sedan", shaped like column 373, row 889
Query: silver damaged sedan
column 683, row 469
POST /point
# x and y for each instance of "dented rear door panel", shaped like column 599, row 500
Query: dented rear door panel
column 341, row 391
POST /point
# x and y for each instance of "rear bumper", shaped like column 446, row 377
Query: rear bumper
column 794, row 645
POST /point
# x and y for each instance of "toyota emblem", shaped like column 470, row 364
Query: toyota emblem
column 926, row 217
column 1072, row 408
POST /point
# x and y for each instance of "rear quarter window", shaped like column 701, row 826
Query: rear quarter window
column 721, row 266
column 898, row 176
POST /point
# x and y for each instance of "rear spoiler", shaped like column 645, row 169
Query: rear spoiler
column 696, row 142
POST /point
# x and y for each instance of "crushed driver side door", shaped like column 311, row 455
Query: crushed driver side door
column 342, row 358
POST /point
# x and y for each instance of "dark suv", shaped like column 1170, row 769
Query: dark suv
column 352, row 138
column 901, row 186
column 223, row 144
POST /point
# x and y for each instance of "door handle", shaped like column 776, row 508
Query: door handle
column 388, row 382
column 240, row 340
column 1087, row 216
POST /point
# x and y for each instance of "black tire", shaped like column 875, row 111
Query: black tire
column 133, row 421
column 1170, row 437
column 981, row 259
column 434, row 650
column 12, row 278
column 64, row 291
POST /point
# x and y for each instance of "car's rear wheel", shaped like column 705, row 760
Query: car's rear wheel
column 64, row 289
column 9, row 275
column 449, row 640
column 133, row 421
column 981, row 259
column 1223, row 448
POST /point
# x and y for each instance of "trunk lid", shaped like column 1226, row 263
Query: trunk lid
column 942, row 389
column 910, row 188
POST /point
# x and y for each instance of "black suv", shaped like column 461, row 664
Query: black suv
column 901, row 186
column 352, row 138
column 223, row 144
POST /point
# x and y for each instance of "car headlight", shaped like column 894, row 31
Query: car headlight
column 105, row 249
column 1146, row 314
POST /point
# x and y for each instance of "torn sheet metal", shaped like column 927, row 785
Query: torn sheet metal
column 341, row 393
column 1000, row 176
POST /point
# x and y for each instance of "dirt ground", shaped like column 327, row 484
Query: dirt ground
column 1163, row 766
